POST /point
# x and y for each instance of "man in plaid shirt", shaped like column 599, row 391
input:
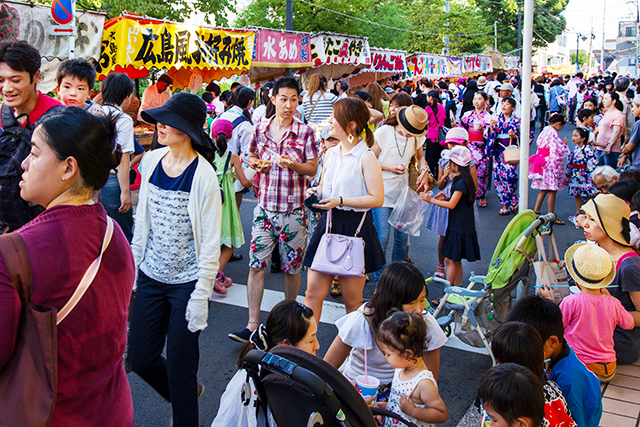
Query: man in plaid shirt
column 284, row 152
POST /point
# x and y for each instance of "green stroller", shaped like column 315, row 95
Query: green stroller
column 473, row 312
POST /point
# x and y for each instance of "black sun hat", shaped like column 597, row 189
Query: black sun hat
column 185, row 112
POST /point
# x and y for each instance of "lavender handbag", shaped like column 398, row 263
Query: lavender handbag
column 340, row 255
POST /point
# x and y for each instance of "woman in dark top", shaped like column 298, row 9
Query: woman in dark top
column 607, row 224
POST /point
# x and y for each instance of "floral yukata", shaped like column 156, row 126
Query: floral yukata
column 582, row 161
column 552, row 177
column 505, row 175
column 477, row 147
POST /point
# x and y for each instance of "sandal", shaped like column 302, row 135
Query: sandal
column 219, row 288
column 559, row 222
column 483, row 204
column 504, row 211
column 335, row 287
column 514, row 208
column 439, row 272
column 223, row 280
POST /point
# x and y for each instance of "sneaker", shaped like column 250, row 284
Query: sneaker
column 223, row 280
column 235, row 257
column 241, row 337
column 335, row 287
column 219, row 288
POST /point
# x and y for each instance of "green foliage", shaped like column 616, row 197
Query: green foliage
column 463, row 18
column 548, row 23
column 312, row 18
column 583, row 58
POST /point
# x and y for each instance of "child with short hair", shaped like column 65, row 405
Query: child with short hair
column 585, row 121
column 517, row 342
column 512, row 396
column 581, row 162
column 591, row 316
column 580, row 386
column 75, row 80
column 414, row 391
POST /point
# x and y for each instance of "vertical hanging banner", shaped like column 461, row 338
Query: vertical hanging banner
column 386, row 61
column 498, row 61
column 329, row 48
column 275, row 49
column 144, row 43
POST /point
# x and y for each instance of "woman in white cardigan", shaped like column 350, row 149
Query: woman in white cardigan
column 176, row 247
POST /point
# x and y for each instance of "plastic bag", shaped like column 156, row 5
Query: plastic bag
column 408, row 215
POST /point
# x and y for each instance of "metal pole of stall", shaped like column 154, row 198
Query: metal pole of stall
column 289, row 24
column 526, row 106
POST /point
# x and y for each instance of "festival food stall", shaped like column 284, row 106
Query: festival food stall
column 133, row 44
column 336, row 56
column 475, row 65
column 425, row 65
column 275, row 51
column 32, row 23
column 385, row 63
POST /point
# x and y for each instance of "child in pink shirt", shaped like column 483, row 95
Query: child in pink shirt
column 591, row 315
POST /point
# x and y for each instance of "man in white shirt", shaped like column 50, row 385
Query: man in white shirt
column 214, row 89
column 505, row 91
column 116, row 92
column 621, row 85
column 491, row 87
column 572, row 88
column 155, row 95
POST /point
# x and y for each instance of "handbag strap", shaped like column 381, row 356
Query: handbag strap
column 226, row 165
column 88, row 277
column 18, row 264
column 314, row 105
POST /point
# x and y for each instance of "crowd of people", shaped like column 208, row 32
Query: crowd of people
column 321, row 163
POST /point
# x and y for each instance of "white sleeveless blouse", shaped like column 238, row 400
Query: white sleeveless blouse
column 343, row 176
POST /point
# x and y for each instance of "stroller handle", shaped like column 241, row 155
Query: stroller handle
column 549, row 218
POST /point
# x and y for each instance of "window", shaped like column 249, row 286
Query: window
column 630, row 31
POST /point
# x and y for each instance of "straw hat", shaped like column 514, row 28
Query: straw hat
column 457, row 135
column 612, row 215
column 482, row 82
column 590, row 265
column 460, row 155
column 413, row 119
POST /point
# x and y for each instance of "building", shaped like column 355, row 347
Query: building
column 555, row 54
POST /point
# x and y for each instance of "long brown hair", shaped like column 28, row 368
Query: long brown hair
column 349, row 110
column 317, row 82
column 402, row 99
column 377, row 95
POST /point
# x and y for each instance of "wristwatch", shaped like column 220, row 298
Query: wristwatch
column 341, row 202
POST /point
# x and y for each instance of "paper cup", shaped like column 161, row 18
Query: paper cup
column 367, row 388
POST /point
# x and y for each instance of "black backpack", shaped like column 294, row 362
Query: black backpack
column 15, row 145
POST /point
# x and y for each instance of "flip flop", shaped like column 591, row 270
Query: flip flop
column 483, row 204
column 559, row 222
column 504, row 212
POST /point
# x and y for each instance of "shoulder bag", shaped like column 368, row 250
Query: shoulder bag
column 29, row 380
column 340, row 255
column 512, row 152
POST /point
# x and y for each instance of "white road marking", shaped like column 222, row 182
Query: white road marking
column 331, row 311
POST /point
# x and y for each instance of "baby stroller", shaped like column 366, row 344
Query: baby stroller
column 297, row 389
column 474, row 312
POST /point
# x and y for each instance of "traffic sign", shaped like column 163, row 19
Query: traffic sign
column 62, row 11
column 61, row 30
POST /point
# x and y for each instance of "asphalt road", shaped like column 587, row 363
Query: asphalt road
column 460, row 371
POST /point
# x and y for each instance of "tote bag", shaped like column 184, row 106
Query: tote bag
column 548, row 272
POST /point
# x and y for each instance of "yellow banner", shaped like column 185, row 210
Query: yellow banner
column 139, row 43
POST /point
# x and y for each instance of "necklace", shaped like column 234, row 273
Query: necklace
column 406, row 142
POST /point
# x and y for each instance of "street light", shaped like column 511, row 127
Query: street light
column 584, row 38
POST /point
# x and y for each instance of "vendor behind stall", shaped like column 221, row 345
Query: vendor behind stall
column 155, row 95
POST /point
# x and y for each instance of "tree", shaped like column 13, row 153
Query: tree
column 315, row 16
column 464, row 25
column 583, row 58
column 548, row 23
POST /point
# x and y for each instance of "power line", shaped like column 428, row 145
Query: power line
column 395, row 28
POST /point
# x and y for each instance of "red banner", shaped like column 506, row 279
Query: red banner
column 274, row 49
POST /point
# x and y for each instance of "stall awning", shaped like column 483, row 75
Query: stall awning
column 384, row 63
column 477, row 64
column 275, row 51
column 433, row 66
column 132, row 42
column 336, row 55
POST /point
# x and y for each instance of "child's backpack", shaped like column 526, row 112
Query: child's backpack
column 15, row 145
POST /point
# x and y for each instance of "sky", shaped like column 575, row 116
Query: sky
column 579, row 15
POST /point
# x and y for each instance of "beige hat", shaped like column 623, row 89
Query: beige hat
column 612, row 215
column 506, row 86
column 590, row 265
column 482, row 82
column 413, row 119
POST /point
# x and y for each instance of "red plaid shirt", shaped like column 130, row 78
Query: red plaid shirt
column 282, row 189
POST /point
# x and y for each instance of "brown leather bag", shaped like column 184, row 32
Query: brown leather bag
column 28, row 382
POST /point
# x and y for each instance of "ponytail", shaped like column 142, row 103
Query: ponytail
column 368, row 137
column 221, row 144
column 465, row 172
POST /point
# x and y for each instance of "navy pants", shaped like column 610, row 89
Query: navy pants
column 109, row 196
column 158, row 316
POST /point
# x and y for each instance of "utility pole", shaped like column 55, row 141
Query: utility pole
column 520, row 28
column 604, row 39
column 445, row 38
column 289, row 24
column 523, row 180
column 495, row 36
column 590, row 46
column 637, row 38
column 578, row 52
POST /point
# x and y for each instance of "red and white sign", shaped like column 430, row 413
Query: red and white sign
column 339, row 49
column 274, row 49
column 387, row 61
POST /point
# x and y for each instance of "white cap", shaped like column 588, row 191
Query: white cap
column 460, row 155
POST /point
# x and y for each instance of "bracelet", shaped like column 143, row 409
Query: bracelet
column 341, row 202
column 423, row 169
